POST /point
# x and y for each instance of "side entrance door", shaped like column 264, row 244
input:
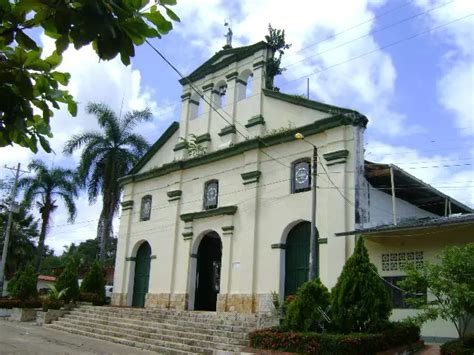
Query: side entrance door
column 297, row 257
column 142, row 275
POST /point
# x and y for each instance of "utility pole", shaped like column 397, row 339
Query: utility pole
column 11, row 209
column 313, row 242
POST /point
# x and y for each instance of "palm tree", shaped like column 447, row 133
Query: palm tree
column 45, row 188
column 108, row 155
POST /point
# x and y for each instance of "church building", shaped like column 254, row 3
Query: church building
column 216, row 215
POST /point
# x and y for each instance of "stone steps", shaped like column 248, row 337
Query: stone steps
column 151, row 319
column 164, row 331
column 157, row 330
column 194, row 317
column 165, row 327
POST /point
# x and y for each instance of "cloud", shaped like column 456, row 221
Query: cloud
column 456, row 83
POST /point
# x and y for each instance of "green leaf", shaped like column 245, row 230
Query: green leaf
column 25, row 41
column 172, row 15
column 168, row 2
column 45, row 144
column 62, row 43
column 72, row 107
column 62, row 78
column 163, row 25
column 54, row 59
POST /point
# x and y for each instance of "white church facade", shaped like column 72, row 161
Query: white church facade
column 224, row 226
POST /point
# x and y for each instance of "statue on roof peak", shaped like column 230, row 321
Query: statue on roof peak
column 228, row 36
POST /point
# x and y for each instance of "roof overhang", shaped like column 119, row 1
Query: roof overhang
column 411, row 189
column 413, row 226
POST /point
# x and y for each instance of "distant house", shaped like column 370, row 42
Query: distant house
column 45, row 282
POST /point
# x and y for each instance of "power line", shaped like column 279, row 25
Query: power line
column 371, row 33
column 380, row 48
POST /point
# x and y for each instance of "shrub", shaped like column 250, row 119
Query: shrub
column 9, row 303
column 324, row 343
column 95, row 299
column 359, row 301
column 55, row 297
column 307, row 311
column 68, row 281
column 23, row 284
column 457, row 347
column 94, row 282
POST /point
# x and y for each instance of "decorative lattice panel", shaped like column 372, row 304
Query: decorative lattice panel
column 396, row 261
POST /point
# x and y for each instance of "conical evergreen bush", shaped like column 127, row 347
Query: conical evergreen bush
column 94, row 282
column 359, row 301
column 68, row 281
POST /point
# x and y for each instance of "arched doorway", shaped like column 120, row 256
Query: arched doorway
column 297, row 257
column 208, row 272
column 142, row 275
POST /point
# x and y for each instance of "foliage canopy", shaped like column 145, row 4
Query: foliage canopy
column 450, row 287
column 23, row 284
column 68, row 283
column 30, row 85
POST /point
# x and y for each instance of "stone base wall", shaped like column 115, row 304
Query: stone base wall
column 119, row 299
column 157, row 300
column 179, row 301
column 245, row 303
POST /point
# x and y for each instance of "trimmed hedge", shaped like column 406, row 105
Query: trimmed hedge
column 325, row 343
column 94, row 298
column 16, row 303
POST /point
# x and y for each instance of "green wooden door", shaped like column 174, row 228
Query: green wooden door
column 297, row 257
column 142, row 275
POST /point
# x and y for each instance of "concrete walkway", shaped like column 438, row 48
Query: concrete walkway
column 28, row 338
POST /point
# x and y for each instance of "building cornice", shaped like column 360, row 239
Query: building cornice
column 226, row 210
column 239, row 148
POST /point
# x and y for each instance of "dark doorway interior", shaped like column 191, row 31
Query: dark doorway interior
column 142, row 275
column 297, row 257
column 208, row 272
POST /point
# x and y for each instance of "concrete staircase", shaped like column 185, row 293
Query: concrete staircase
column 164, row 331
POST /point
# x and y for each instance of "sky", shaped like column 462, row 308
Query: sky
column 407, row 65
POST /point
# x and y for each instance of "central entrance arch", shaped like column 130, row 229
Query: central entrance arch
column 297, row 257
column 142, row 275
column 208, row 272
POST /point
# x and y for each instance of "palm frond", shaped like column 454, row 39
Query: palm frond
column 78, row 140
column 132, row 118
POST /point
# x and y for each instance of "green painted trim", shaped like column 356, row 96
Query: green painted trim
column 236, row 54
column 152, row 257
column 336, row 157
column 127, row 205
column 259, row 64
column 179, row 146
column 130, row 258
column 278, row 246
column 206, row 137
column 226, row 210
column 239, row 148
column 155, row 147
column 227, row 130
column 194, row 256
column 185, row 96
column 322, row 240
column 251, row 177
column 240, row 81
column 232, row 75
column 255, row 120
column 207, row 86
column 358, row 119
column 228, row 228
column 195, row 102
column 174, row 195
column 187, row 235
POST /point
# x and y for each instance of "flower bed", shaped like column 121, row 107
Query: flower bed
column 326, row 343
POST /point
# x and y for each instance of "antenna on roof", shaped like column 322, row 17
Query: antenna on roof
column 228, row 35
